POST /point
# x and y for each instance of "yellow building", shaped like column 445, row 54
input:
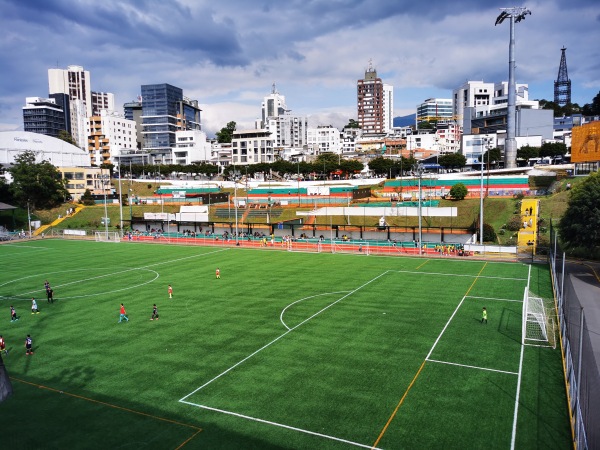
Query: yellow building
column 79, row 179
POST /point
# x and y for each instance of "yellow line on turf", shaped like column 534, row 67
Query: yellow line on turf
column 476, row 278
column 398, row 405
column 416, row 375
column 198, row 429
column 422, row 264
column 188, row 439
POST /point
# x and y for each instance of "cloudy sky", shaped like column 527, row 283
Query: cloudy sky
column 228, row 53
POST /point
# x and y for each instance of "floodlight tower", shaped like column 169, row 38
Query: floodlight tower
column 515, row 14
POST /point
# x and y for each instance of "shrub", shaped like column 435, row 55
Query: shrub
column 459, row 191
column 514, row 223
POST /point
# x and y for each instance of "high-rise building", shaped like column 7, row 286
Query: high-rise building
column 375, row 104
column 43, row 116
column 133, row 111
column 75, row 82
column 102, row 100
column 164, row 111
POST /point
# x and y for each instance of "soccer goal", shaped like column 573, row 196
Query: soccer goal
column 538, row 321
column 359, row 248
column 107, row 236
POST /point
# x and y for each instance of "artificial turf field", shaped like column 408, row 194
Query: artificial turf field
column 286, row 351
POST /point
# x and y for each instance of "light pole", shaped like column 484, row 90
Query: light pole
column 104, row 183
column 481, row 198
column 516, row 14
column 298, row 182
column 120, row 200
column 419, row 171
column 235, row 206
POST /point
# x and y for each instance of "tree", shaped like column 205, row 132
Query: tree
column 381, row 166
column 592, row 109
column 492, row 157
column 452, row 160
column 66, row 136
column 526, row 152
column 352, row 124
column 580, row 224
column 87, row 198
column 226, row 134
column 39, row 184
column 553, row 149
column 458, row 191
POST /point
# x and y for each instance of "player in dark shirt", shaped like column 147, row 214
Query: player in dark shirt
column 28, row 345
column 154, row 312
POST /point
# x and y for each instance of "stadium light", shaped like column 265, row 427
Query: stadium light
column 516, row 14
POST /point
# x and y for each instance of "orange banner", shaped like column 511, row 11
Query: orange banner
column 585, row 144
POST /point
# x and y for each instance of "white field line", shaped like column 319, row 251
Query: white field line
column 444, row 329
column 279, row 337
column 457, row 275
column 516, row 413
column 279, row 425
column 498, row 299
column 108, row 275
column 472, row 367
column 301, row 300
column 24, row 246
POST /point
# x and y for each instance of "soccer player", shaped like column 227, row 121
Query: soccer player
column 170, row 290
column 3, row 346
column 50, row 294
column 154, row 312
column 28, row 345
column 123, row 314
column 484, row 315
column 218, row 273
column 34, row 308
column 13, row 314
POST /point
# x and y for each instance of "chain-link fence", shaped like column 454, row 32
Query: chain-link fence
column 581, row 367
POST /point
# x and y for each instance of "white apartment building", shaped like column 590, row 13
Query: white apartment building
column 75, row 82
column 102, row 100
column 324, row 139
column 252, row 147
column 349, row 138
column 79, row 122
column 288, row 131
column 108, row 134
column 191, row 146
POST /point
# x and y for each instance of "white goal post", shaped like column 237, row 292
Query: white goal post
column 538, row 321
column 107, row 236
column 356, row 248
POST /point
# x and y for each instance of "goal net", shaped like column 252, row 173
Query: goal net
column 539, row 321
column 107, row 236
column 357, row 248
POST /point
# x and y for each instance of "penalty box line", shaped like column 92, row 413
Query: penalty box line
column 287, row 427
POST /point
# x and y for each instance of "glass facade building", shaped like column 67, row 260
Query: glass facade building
column 159, row 115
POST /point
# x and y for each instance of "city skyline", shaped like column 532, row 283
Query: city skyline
column 228, row 55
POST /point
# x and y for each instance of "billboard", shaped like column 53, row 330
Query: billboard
column 585, row 143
